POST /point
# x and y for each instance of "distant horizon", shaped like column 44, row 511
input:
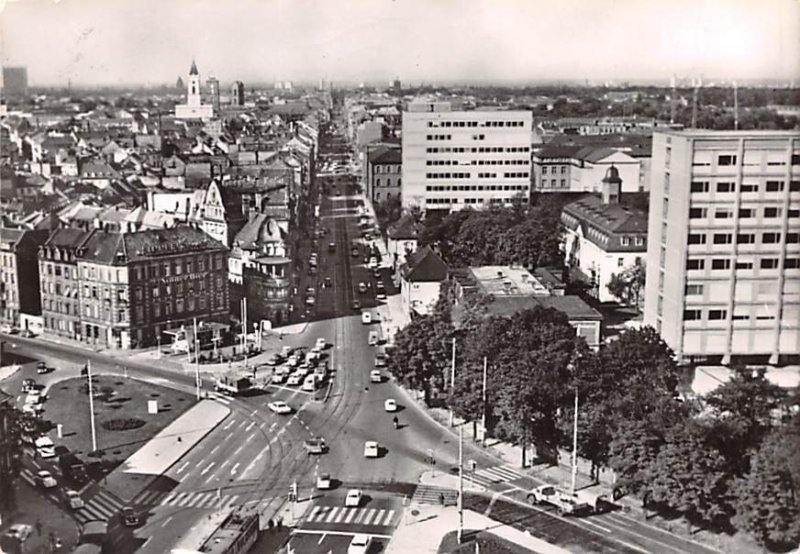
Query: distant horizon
column 95, row 42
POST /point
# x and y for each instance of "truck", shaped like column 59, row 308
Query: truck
column 233, row 384
column 567, row 504
column 72, row 468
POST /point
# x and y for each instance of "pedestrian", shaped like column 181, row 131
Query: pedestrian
column 38, row 526
column 280, row 522
column 441, row 498
column 271, row 524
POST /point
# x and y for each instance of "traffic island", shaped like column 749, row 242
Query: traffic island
column 166, row 448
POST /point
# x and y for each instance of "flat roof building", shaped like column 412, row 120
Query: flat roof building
column 458, row 159
column 723, row 255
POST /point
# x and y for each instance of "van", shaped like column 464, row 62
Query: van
column 310, row 383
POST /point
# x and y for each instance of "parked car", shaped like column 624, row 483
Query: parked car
column 372, row 263
column 371, row 449
column 375, row 376
column 29, row 385
column 315, row 445
column 390, row 405
column 19, row 532
column 27, row 333
column 353, row 498
column 380, row 359
column 42, row 367
column 129, row 517
column 366, row 317
column 295, row 379
column 373, row 338
column 320, row 344
column 278, row 377
column 563, row 501
column 362, row 287
column 356, row 304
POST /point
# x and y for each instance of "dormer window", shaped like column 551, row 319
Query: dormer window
column 626, row 241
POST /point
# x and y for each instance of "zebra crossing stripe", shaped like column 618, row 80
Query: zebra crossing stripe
column 378, row 517
column 351, row 514
column 193, row 499
column 331, row 515
column 361, row 514
column 369, row 517
column 389, row 517
column 341, row 515
column 314, row 512
column 169, row 497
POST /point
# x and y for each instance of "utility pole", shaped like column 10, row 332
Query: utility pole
column 196, row 360
column 460, row 482
column 735, row 106
column 452, row 377
column 575, row 442
column 673, row 99
column 695, row 94
column 483, row 423
column 91, row 404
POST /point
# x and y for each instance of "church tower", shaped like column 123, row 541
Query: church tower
column 193, row 87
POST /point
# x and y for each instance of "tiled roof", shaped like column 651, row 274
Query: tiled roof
column 611, row 218
column 386, row 155
column 167, row 242
column 556, row 151
column 67, row 237
column 260, row 228
column 571, row 306
column 424, row 265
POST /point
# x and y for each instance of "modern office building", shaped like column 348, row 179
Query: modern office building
column 723, row 256
column 457, row 159
column 15, row 83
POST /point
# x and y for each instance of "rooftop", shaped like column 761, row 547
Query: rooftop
column 612, row 218
column 506, row 281
column 708, row 133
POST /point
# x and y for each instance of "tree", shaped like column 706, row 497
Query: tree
column 12, row 423
column 689, row 477
column 742, row 410
column 767, row 499
column 628, row 284
column 632, row 453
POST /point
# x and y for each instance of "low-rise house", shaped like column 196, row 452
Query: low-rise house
column 402, row 239
column 421, row 278
column 603, row 237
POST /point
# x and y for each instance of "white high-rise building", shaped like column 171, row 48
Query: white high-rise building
column 457, row 159
column 723, row 254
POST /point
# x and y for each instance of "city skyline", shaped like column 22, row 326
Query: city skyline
column 152, row 43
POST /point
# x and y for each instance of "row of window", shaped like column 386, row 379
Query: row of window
column 476, row 124
column 725, row 263
column 477, row 162
column 563, row 169
column 721, row 315
column 388, row 182
column 481, row 175
column 727, row 186
column 743, row 238
column 449, row 201
column 389, row 168
column 179, row 267
column 476, row 188
column 744, row 213
column 731, row 159
column 475, row 149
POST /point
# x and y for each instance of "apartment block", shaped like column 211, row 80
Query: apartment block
column 723, row 256
column 458, row 159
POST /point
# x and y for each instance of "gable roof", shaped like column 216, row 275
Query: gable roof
column 386, row 155
column 611, row 218
column 404, row 228
column 424, row 265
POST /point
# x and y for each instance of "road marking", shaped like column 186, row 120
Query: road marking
column 587, row 522
column 369, row 517
column 231, row 422
column 244, row 422
column 169, row 497
column 250, row 426
column 298, row 530
column 166, row 521
column 378, row 518
column 341, row 515
column 209, row 479
column 331, row 515
column 322, row 538
column 350, row 515
column 313, row 513
column 180, row 469
column 253, row 463
column 238, row 450
column 233, row 469
column 254, row 412
column 215, row 449
column 208, row 467
column 389, row 517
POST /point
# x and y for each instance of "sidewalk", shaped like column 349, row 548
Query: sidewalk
column 423, row 533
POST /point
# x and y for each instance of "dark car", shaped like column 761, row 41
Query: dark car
column 42, row 367
column 129, row 517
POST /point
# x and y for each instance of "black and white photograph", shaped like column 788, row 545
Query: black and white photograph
column 400, row 276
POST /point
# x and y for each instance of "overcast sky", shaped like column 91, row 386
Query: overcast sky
column 153, row 41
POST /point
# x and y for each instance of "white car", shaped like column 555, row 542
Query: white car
column 390, row 405
column 73, row 499
column 380, row 359
column 45, row 479
column 353, row 498
column 362, row 287
column 366, row 318
column 373, row 263
column 34, row 397
column 278, row 377
column 375, row 376
column 294, row 379
column 370, row 449
column 359, row 544
column 373, row 338
column 320, row 345
column 323, row 481
column 280, row 407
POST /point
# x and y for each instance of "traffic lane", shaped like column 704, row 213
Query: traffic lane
column 323, row 542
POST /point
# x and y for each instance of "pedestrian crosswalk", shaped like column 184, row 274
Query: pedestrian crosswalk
column 219, row 397
column 187, row 499
column 426, row 494
column 102, row 506
column 492, row 476
column 378, row 517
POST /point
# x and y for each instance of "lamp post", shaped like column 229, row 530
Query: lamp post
column 572, row 367
column 452, row 377
column 91, row 405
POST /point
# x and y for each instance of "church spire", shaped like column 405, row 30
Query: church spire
column 193, row 70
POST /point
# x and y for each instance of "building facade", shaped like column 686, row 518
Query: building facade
column 603, row 238
column 723, row 257
column 19, row 274
column 194, row 107
column 15, row 83
column 457, row 159
column 383, row 173
column 237, row 93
